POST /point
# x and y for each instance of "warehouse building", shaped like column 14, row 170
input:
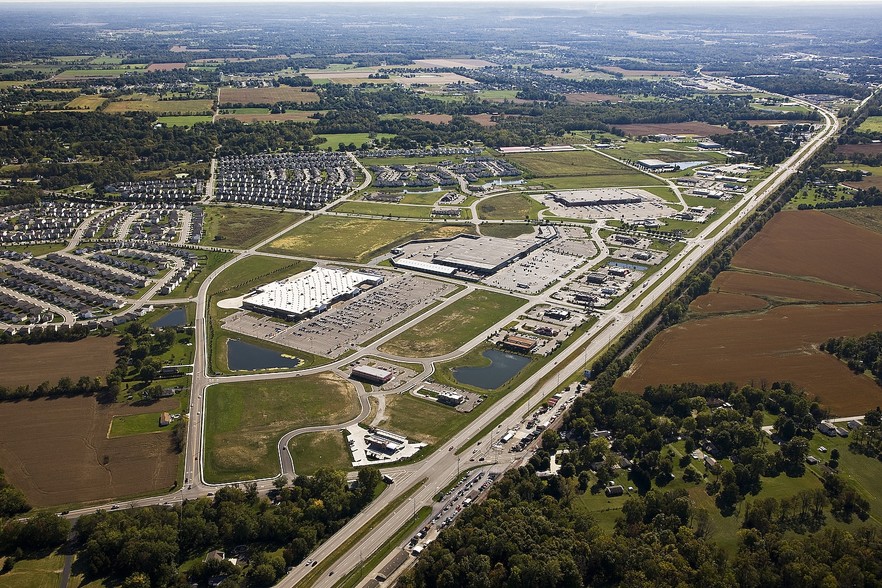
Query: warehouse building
column 372, row 375
column 308, row 293
column 595, row 197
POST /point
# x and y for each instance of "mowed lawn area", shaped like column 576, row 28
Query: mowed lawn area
column 312, row 451
column 873, row 124
column 244, row 421
column 184, row 121
column 355, row 239
column 509, row 207
column 423, row 420
column 453, row 326
column 34, row 573
column 579, row 169
column 136, row 424
column 240, row 227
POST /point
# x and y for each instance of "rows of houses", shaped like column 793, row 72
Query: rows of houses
column 435, row 152
column 166, row 192
column 49, row 221
column 291, row 180
column 62, row 293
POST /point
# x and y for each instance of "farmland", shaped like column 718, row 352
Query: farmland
column 183, row 121
column 454, row 326
column 58, row 451
column 812, row 269
column 31, row 365
column 265, row 116
column 352, row 239
column 873, row 124
column 245, row 420
column 270, row 95
column 85, row 102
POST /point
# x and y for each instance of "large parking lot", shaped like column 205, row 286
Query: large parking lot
column 651, row 207
column 535, row 272
column 348, row 323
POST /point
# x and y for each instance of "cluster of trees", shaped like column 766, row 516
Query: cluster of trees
column 139, row 346
column 12, row 500
column 764, row 145
column 65, row 333
column 35, row 536
column 806, row 82
column 862, row 354
column 154, row 541
column 524, row 534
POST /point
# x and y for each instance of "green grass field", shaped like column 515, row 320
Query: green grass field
column 137, row 424
column 873, row 124
column 150, row 103
column 454, row 326
column 357, row 139
column 240, row 227
column 244, row 421
column 509, row 207
column 574, row 163
column 383, row 209
column 312, row 451
column 424, row 420
column 85, row 102
column 183, row 121
column 34, row 573
column 112, row 72
column 506, row 230
column 190, row 286
column 355, row 239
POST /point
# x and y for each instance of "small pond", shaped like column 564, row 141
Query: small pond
column 175, row 318
column 245, row 356
column 502, row 368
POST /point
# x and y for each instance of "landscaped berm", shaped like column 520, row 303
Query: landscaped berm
column 244, row 421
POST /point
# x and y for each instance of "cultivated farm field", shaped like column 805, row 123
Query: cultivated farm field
column 58, row 452
column 32, row 365
column 814, row 271
column 270, row 95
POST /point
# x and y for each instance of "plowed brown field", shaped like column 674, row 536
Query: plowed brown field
column 781, row 343
column 814, row 244
column 777, row 345
column 726, row 302
column 787, row 288
column 48, row 362
column 57, row 451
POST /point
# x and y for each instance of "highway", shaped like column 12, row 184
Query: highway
column 439, row 468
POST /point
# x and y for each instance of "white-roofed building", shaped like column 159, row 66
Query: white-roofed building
column 308, row 293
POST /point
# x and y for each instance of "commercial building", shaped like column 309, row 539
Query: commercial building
column 372, row 374
column 655, row 165
column 308, row 293
column 516, row 343
column 450, row 398
column 595, row 197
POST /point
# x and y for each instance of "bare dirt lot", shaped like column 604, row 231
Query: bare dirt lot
column 48, row 362
column 811, row 243
column 482, row 119
column 787, row 289
column 57, row 451
column 778, row 345
column 686, row 128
